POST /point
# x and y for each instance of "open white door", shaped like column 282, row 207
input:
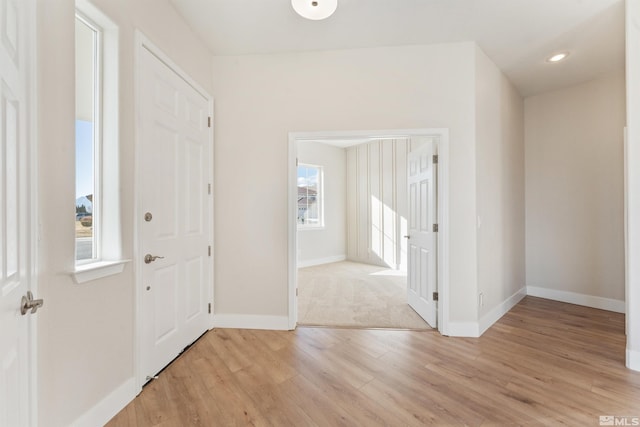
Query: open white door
column 175, row 157
column 17, row 346
column 422, row 241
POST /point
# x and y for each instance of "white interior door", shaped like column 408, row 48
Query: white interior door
column 422, row 241
column 17, row 347
column 175, row 224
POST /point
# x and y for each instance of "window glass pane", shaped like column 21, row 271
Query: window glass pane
column 86, row 90
column 309, row 196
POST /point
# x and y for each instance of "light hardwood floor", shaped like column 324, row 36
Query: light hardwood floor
column 543, row 363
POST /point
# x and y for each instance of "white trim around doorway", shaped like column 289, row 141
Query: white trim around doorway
column 443, row 208
column 33, row 201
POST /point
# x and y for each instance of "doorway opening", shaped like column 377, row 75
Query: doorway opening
column 353, row 212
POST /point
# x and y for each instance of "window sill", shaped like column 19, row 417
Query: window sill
column 97, row 270
column 312, row 228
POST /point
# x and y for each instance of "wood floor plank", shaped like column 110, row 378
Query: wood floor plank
column 322, row 408
column 543, row 363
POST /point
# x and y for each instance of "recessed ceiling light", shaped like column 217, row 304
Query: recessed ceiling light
column 557, row 57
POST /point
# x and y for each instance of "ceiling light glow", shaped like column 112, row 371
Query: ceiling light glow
column 557, row 57
column 314, row 10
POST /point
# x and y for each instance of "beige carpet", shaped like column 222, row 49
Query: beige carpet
column 355, row 295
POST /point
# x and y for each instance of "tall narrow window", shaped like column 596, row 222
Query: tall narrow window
column 310, row 196
column 98, row 232
column 88, row 140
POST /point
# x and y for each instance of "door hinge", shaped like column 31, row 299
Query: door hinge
column 209, row 250
column 209, row 308
column 296, row 291
column 435, row 296
column 209, row 121
column 209, row 188
column 435, row 228
column 435, row 159
column 296, row 161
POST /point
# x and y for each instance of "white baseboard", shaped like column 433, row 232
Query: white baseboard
column 633, row 359
column 108, row 407
column 501, row 309
column 250, row 321
column 476, row 329
column 320, row 261
column 464, row 329
column 579, row 299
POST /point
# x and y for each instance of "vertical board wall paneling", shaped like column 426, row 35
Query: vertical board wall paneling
column 388, row 205
column 374, row 198
column 401, row 157
column 376, row 202
column 362, row 207
column 352, row 201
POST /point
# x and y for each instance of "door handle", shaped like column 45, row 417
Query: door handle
column 407, row 237
column 148, row 258
column 28, row 303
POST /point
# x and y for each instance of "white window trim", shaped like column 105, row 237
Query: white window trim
column 109, row 259
column 98, row 270
column 96, row 213
column 321, row 198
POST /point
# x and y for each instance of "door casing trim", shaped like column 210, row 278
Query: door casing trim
column 442, row 215
column 31, row 7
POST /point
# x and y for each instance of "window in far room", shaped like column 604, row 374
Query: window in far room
column 310, row 197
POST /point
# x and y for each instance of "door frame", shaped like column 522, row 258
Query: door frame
column 442, row 215
column 143, row 43
column 32, row 187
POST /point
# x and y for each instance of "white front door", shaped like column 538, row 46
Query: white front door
column 175, row 159
column 17, row 346
column 422, row 241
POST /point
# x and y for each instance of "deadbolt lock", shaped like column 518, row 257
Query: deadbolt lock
column 148, row 217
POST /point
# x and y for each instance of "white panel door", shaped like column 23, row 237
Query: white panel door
column 175, row 155
column 422, row 241
column 16, row 346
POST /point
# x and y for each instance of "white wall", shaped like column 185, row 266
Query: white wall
column 317, row 246
column 86, row 344
column 574, row 190
column 261, row 98
column 633, row 184
column 377, row 208
column 500, row 190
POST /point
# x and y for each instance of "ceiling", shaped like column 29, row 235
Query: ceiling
column 518, row 35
